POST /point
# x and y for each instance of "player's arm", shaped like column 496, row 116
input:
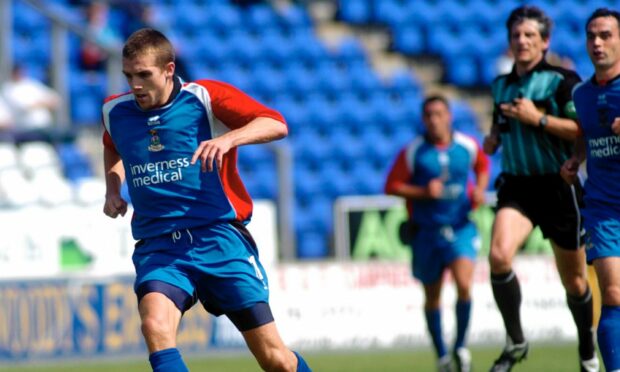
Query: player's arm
column 114, row 177
column 524, row 110
column 570, row 168
column 250, row 122
column 481, row 170
column 398, row 184
column 564, row 125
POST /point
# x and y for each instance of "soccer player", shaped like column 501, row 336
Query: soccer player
column 534, row 122
column 176, row 143
column 598, row 108
column 432, row 174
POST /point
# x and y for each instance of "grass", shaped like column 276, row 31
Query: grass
column 542, row 357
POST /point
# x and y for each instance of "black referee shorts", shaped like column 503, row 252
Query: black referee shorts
column 548, row 202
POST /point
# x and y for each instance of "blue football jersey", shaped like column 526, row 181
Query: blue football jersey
column 156, row 147
column 421, row 161
column 597, row 107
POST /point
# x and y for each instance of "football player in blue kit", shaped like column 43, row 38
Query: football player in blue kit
column 597, row 101
column 432, row 174
column 175, row 144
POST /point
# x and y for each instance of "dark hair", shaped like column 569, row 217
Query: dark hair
column 435, row 98
column 524, row 12
column 603, row 12
column 149, row 40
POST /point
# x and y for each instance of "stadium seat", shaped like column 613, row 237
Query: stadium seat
column 89, row 191
column 36, row 155
column 355, row 11
column 16, row 190
column 8, row 156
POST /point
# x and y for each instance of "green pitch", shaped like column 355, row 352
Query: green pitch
column 542, row 357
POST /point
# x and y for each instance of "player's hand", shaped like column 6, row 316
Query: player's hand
column 522, row 109
column 114, row 205
column 211, row 151
column 615, row 126
column 569, row 170
column 490, row 144
column 435, row 188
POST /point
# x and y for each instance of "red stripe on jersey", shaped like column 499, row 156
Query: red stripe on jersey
column 234, row 188
column 399, row 175
column 106, row 138
column 235, row 108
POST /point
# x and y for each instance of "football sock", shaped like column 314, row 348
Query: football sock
column 167, row 360
column 507, row 293
column 433, row 322
column 609, row 337
column 302, row 366
column 463, row 311
column 581, row 308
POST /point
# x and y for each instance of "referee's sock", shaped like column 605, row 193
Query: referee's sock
column 167, row 360
column 433, row 322
column 581, row 308
column 609, row 337
column 507, row 293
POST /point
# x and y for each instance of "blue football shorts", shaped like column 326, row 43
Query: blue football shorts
column 217, row 264
column 602, row 233
column 435, row 248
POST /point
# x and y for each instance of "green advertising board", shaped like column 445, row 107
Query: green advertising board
column 369, row 227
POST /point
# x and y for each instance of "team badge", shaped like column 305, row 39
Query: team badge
column 155, row 142
column 153, row 120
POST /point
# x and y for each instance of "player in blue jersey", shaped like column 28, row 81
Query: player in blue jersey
column 176, row 145
column 598, row 107
column 432, row 174
column 534, row 123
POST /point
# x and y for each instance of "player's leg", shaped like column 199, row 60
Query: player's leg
column 160, row 320
column 428, row 266
column 462, row 271
column 571, row 266
column 608, row 274
column 270, row 352
column 164, row 293
column 236, row 284
column 432, row 313
column 510, row 229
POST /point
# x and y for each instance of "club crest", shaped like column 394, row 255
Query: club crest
column 155, row 143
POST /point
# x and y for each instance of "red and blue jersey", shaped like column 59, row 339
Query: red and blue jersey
column 156, row 146
column 421, row 161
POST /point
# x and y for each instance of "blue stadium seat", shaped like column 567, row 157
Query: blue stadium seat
column 75, row 163
column 295, row 17
column 391, row 12
column 350, row 50
column 355, row 11
column 409, row 39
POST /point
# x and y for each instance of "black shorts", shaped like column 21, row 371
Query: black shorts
column 548, row 202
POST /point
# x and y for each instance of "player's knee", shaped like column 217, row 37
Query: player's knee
column 499, row 259
column 611, row 295
column 575, row 285
column 278, row 361
column 155, row 328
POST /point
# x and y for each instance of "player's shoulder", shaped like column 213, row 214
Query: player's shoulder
column 209, row 84
column 466, row 141
column 566, row 73
column 116, row 99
